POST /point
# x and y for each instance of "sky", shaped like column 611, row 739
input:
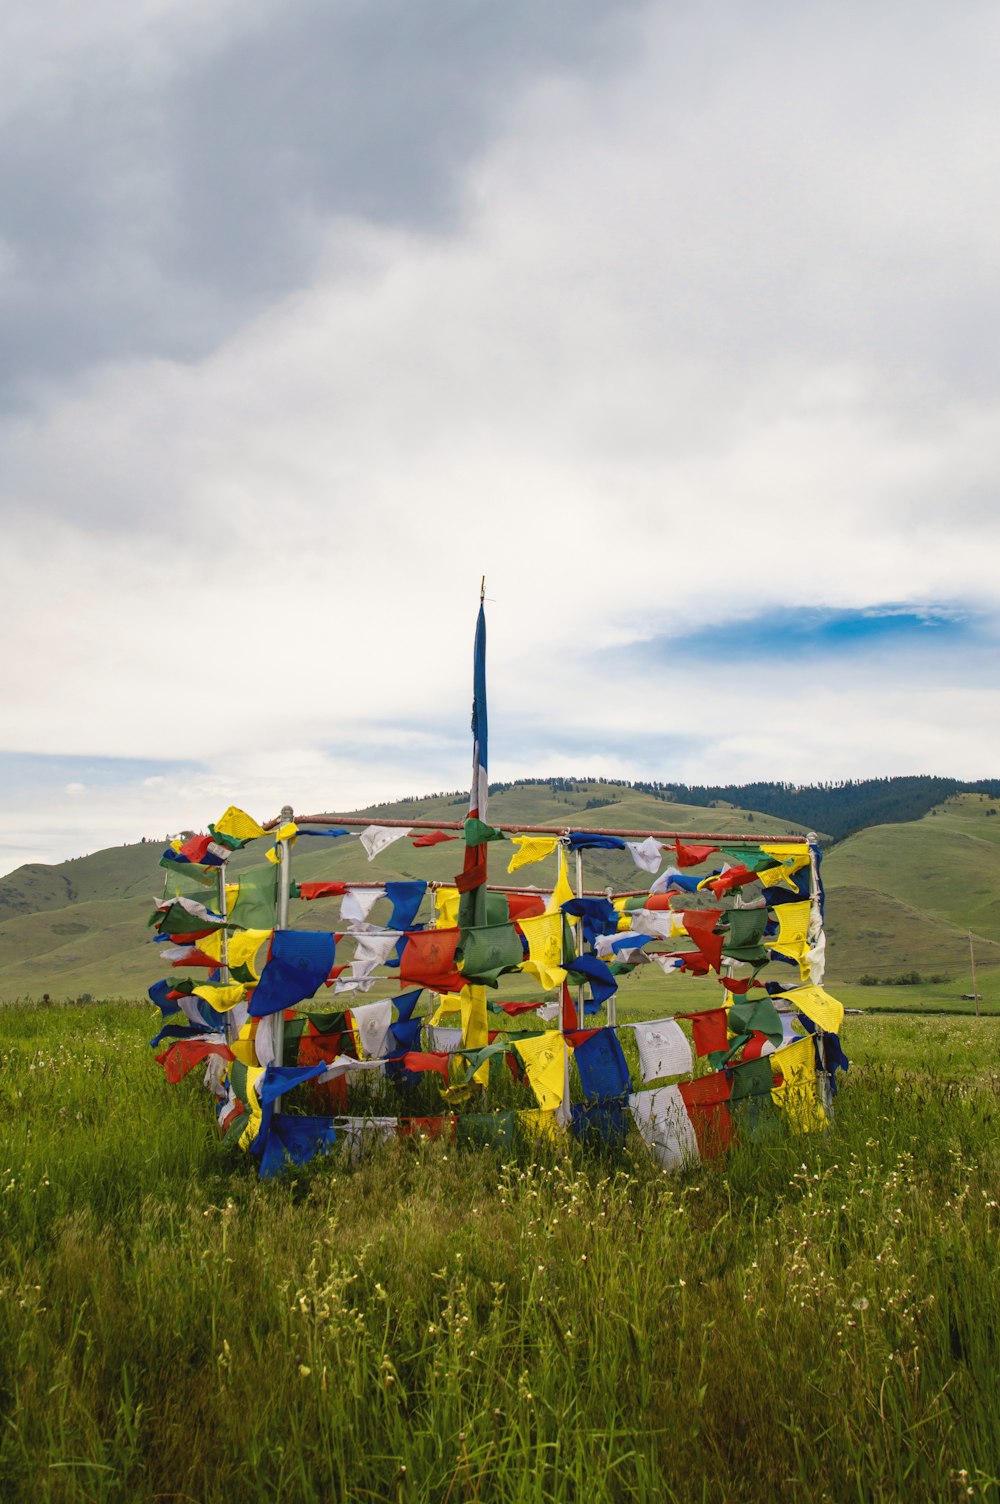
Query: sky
column 677, row 322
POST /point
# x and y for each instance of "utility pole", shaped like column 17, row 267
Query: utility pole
column 972, row 959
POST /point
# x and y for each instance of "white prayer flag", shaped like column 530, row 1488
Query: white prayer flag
column 663, row 1049
column 372, row 1021
column 662, row 923
column 662, row 1120
column 375, row 838
column 646, row 854
column 672, row 965
column 444, row 1040
column 373, row 949
column 357, row 904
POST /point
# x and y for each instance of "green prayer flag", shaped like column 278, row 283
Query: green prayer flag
column 485, row 951
column 750, row 1102
column 257, row 899
column 759, row 1014
column 477, row 833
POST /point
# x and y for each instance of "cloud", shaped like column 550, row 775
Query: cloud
column 167, row 168
column 667, row 325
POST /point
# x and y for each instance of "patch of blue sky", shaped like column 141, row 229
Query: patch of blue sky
column 21, row 771
column 817, row 632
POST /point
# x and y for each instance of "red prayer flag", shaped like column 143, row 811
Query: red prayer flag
column 577, row 1037
column 473, row 875
column 705, row 1100
column 429, row 960
column 700, row 925
column 321, row 890
column 196, row 957
column 525, row 905
column 428, row 1060
column 736, row 877
column 690, row 856
column 432, row 838
column 734, row 984
column 442, row 1127
column 185, row 1054
column 709, row 1030
column 569, row 1018
column 754, row 1045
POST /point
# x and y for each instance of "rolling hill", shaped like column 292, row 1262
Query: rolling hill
column 901, row 897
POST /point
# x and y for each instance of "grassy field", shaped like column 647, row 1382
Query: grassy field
column 817, row 1319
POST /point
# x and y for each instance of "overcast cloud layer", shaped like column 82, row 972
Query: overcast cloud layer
column 676, row 322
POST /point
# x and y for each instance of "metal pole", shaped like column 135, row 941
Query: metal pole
column 972, row 961
column 578, row 927
column 735, row 838
column 813, row 933
column 281, row 923
column 224, row 976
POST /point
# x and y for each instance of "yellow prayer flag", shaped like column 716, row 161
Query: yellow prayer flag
column 250, row 1132
column 543, row 933
column 447, row 908
column 818, row 1005
column 243, row 945
column 238, row 824
column 531, row 849
column 793, row 925
column 221, row 998
column 475, row 1030
column 562, row 892
column 545, row 1061
column 448, row 1002
column 797, row 1096
column 243, row 1046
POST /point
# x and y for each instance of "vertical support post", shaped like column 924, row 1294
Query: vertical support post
column 281, row 923
column 224, row 976
column 972, row 963
column 613, row 999
column 578, row 930
column 814, row 932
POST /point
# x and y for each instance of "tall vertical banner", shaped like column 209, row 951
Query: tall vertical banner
column 471, row 882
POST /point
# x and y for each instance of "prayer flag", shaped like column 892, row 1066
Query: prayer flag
column 235, row 828
column 602, row 1066
column 692, row 856
column 663, row 1049
column 646, row 854
column 709, row 1030
column 300, row 961
column 817, row 1005
column 664, row 1123
column 545, row 1061
column 531, row 849
column 375, row 838
column 706, row 1100
column 432, row 838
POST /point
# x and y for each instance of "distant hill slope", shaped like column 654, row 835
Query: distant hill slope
column 838, row 808
column 904, row 897
column 901, row 897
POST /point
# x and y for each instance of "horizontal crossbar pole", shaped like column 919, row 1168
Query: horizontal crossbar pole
column 547, row 830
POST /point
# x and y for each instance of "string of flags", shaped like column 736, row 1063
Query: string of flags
column 298, row 1054
column 772, row 1048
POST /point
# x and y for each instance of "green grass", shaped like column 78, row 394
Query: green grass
column 817, row 1319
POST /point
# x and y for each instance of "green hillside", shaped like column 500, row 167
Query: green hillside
column 901, row 897
column 904, row 897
